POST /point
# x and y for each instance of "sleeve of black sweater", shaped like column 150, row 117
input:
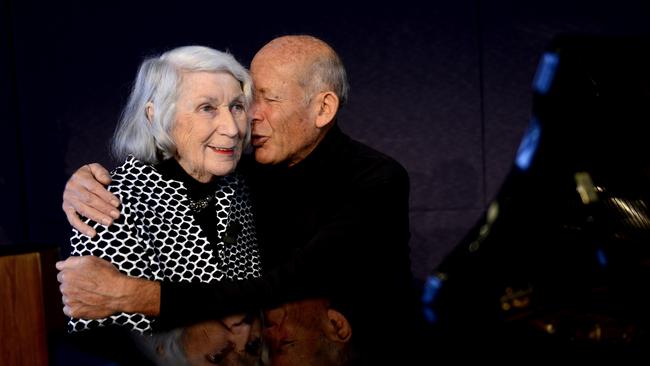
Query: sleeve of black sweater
column 359, row 242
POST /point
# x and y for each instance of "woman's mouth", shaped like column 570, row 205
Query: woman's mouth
column 223, row 150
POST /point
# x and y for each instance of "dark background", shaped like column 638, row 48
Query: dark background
column 445, row 88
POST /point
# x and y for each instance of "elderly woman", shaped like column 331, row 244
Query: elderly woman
column 185, row 213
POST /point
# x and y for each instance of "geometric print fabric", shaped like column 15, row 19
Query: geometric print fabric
column 158, row 238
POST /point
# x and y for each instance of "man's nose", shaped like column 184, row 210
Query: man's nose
column 255, row 112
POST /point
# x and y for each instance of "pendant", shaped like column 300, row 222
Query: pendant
column 199, row 205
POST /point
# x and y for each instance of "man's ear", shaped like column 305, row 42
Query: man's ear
column 328, row 104
column 148, row 111
column 338, row 328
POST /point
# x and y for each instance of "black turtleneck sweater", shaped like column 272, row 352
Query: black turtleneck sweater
column 334, row 225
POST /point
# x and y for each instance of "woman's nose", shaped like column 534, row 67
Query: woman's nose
column 227, row 125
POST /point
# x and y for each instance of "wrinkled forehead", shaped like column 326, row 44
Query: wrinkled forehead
column 281, row 81
column 306, row 309
column 188, row 78
column 219, row 86
column 270, row 66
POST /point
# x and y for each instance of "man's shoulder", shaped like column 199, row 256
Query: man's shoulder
column 246, row 164
column 370, row 163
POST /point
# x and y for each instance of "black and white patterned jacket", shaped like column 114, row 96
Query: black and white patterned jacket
column 158, row 238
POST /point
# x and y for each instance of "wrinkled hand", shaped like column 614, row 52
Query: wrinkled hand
column 91, row 287
column 85, row 194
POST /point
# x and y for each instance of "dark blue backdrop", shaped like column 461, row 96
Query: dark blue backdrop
column 444, row 88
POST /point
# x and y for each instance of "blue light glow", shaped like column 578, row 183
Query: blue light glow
column 431, row 288
column 430, row 316
column 602, row 258
column 545, row 72
column 528, row 145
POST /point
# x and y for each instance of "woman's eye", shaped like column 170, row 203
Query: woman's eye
column 238, row 108
column 220, row 355
column 254, row 347
column 206, row 108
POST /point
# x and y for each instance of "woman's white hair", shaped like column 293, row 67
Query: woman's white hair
column 158, row 82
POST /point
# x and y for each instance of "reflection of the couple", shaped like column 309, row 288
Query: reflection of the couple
column 186, row 215
column 305, row 332
column 234, row 340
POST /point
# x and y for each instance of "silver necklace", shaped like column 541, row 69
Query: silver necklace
column 201, row 204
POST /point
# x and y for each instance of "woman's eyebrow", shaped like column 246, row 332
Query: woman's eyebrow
column 238, row 98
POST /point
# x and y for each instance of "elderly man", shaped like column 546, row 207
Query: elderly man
column 308, row 332
column 332, row 214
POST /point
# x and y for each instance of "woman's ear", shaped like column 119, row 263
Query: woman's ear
column 328, row 106
column 148, row 110
column 338, row 328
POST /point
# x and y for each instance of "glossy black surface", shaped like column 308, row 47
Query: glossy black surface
column 560, row 263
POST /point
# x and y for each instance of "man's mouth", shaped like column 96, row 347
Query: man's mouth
column 258, row 141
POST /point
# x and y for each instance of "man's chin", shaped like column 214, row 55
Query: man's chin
column 262, row 156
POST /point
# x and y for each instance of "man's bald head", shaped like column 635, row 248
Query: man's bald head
column 297, row 49
column 300, row 84
column 315, row 65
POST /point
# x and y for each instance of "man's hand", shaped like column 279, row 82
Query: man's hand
column 93, row 288
column 85, row 194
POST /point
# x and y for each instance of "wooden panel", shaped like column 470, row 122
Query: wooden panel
column 22, row 322
column 55, row 321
